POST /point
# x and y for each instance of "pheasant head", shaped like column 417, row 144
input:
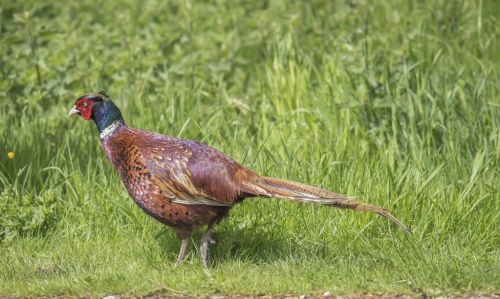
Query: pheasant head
column 98, row 107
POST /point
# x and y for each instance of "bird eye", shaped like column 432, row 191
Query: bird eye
column 85, row 104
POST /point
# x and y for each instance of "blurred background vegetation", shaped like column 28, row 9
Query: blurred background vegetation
column 394, row 101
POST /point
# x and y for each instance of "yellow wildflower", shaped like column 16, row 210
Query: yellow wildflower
column 11, row 155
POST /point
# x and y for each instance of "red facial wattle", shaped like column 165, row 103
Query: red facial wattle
column 86, row 112
column 84, row 106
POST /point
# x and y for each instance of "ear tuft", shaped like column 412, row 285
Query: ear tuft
column 103, row 93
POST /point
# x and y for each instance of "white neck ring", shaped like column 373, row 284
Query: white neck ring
column 109, row 129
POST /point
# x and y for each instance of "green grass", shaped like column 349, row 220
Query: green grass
column 396, row 102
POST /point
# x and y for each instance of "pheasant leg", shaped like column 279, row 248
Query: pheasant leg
column 182, row 252
column 206, row 239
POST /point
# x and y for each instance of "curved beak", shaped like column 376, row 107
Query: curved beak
column 73, row 111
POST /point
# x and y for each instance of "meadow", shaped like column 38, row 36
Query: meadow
column 395, row 102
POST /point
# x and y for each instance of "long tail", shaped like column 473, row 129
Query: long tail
column 273, row 187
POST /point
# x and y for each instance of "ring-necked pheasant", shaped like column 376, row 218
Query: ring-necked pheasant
column 185, row 184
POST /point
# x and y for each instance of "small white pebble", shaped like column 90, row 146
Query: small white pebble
column 327, row 294
column 302, row 297
column 110, row 297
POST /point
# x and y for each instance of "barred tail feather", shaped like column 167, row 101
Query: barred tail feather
column 273, row 187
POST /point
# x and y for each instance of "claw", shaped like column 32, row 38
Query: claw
column 208, row 240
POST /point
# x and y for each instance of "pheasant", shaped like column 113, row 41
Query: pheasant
column 185, row 184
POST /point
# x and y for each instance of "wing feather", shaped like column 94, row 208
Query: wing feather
column 194, row 173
